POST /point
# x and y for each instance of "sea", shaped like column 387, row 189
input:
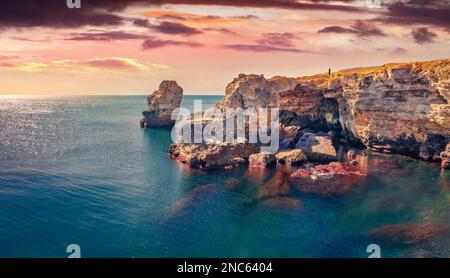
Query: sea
column 79, row 170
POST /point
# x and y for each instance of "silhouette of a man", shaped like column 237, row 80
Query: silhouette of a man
column 329, row 71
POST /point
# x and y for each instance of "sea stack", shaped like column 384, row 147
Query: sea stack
column 161, row 104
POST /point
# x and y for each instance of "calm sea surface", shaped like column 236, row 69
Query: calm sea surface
column 80, row 170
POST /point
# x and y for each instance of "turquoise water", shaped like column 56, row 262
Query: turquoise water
column 80, row 170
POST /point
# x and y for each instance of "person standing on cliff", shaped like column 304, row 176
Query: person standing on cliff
column 329, row 71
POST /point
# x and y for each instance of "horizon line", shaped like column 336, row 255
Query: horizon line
column 68, row 95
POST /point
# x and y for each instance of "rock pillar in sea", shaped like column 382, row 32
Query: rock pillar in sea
column 161, row 104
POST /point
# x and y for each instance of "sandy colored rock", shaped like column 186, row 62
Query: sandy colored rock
column 295, row 156
column 212, row 156
column 391, row 108
column 262, row 160
column 161, row 104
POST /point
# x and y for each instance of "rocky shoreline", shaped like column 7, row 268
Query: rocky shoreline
column 395, row 108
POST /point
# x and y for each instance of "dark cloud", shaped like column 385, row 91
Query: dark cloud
column 278, row 39
column 360, row 28
column 221, row 30
column 152, row 43
column 173, row 28
column 337, row 29
column 55, row 14
column 142, row 23
column 430, row 12
column 167, row 27
column 422, row 35
column 105, row 36
column 262, row 48
column 399, row 51
column 364, row 29
column 280, row 4
column 247, row 17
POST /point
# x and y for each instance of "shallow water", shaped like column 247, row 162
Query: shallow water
column 80, row 170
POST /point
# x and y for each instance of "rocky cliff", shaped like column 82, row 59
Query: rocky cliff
column 400, row 108
column 161, row 104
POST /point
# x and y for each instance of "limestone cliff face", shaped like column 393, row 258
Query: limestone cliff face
column 161, row 104
column 401, row 108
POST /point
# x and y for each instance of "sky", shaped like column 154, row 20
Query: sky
column 129, row 46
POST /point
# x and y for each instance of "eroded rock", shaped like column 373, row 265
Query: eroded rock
column 262, row 160
column 212, row 156
column 293, row 157
column 161, row 104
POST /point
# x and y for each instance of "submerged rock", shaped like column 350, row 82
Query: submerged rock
column 318, row 148
column 232, row 183
column 283, row 202
column 192, row 198
column 262, row 160
column 293, row 157
column 332, row 179
column 408, row 234
column 277, row 186
column 161, row 104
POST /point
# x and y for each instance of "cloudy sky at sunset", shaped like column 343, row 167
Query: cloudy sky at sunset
column 129, row 46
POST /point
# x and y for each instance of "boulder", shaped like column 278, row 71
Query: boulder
column 161, row 104
column 318, row 148
column 212, row 156
column 332, row 179
column 262, row 160
column 293, row 157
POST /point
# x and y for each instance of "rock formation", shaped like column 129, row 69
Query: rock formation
column 212, row 156
column 161, row 104
column 398, row 108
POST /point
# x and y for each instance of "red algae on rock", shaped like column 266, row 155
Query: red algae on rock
column 331, row 179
